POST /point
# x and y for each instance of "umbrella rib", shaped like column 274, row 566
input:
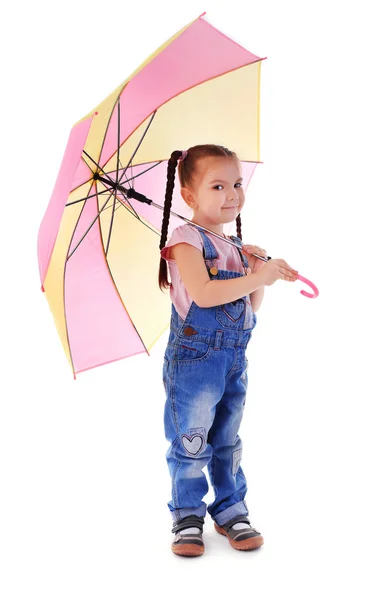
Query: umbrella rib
column 128, row 202
column 137, row 216
column 88, row 197
column 133, row 183
column 111, row 223
column 120, row 203
column 126, row 198
column 125, row 169
column 103, row 141
column 116, row 177
column 120, row 163
column 138, row 145
column 129, row 163
column 89, row 227
column 135, row 213
column 138, row 174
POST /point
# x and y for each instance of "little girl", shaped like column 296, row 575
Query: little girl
column 215, row 290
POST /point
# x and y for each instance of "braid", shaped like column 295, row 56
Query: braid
column 172, row 164
column 238, row 223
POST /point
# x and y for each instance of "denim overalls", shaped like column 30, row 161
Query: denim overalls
column 205, row 380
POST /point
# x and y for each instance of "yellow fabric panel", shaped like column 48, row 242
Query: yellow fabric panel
column 161, row 333
column 133, row 259
column 114, row 95
column 208, row 113
column 258, row 110
column 54, row 281
column 97, row 131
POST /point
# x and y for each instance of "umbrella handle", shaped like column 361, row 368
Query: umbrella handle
column 310, row 283
column 313, row 287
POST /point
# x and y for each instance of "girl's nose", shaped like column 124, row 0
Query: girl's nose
column 232, row 198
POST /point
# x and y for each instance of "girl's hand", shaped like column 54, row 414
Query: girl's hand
column 255, row 263
column 277, row 268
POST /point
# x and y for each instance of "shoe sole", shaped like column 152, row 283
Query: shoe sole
column 188, row 549
column 249, row 544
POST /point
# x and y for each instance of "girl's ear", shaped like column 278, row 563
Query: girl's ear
column 188, row 197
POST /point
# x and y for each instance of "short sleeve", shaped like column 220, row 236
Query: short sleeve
column 184, row 233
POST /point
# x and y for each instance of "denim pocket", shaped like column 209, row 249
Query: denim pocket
column 191, row 351
column 230, row 314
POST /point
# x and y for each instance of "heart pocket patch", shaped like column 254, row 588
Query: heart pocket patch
column 235, row 310
column 193, row 444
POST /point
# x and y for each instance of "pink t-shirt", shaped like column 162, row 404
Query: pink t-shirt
column 229, row 260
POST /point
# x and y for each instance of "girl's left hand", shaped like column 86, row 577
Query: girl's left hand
column 255, row 263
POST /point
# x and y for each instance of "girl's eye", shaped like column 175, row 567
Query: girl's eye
column 219, row 185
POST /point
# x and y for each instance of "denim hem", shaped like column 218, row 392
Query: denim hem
column 181, row 513
column 236, row 510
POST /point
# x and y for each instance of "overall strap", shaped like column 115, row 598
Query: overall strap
column 209, row 250
column 210, row 253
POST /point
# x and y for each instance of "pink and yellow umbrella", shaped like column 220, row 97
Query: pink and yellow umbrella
column 98, row 245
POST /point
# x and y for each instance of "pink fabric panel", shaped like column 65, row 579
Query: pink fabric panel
column 81, row 175
column 99, row 328
column 199, row 53
column 50, row 224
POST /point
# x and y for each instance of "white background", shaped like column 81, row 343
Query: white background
column 83, row 476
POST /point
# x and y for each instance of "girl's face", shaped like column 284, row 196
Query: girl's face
column 216, row 195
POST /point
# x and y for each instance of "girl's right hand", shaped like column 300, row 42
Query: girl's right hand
column 277, row 268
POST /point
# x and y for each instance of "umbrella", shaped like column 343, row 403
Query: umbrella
column 98, row 243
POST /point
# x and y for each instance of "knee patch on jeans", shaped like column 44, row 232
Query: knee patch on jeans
column 194, row 441
column 236, row 459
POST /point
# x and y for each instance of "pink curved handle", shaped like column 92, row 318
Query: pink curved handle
column 303, row 292
column 313, row 287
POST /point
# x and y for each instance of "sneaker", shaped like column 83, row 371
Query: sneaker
column 245, row 538
column 188, row 544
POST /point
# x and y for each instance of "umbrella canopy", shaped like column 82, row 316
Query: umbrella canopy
column 98, row 250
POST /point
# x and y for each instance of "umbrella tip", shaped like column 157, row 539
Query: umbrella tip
column 204, row 13
column 42, row 288
column 96, row 113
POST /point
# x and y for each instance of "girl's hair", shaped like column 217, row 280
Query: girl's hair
column 186, row 171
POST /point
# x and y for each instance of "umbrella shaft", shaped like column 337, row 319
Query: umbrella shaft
column 131, row 193
column 208, row 230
